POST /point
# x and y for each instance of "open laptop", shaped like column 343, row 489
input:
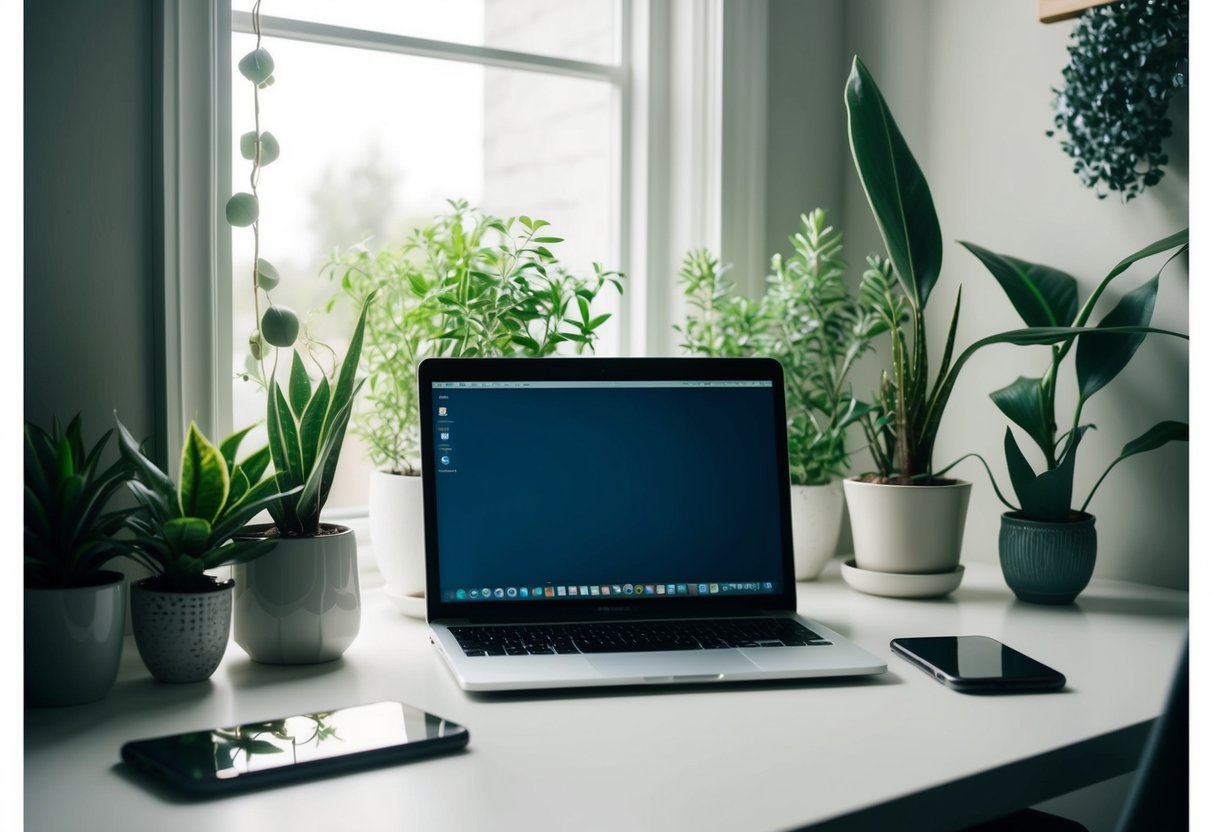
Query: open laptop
column 603, row 521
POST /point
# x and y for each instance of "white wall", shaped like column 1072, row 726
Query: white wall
column 969, row 83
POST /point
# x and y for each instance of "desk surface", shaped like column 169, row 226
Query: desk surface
column 765, row 757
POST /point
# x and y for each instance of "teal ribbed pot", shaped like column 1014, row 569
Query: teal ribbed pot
column 1046, row 563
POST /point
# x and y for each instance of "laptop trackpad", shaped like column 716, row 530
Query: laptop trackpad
column 697, row 666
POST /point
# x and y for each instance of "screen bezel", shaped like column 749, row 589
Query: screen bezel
column 601, row 369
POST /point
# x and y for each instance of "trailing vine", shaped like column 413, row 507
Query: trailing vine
column 1127, row 60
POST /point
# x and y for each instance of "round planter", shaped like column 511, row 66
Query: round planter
column 907, row 529
column 398, row 531
column 181, row 636
column 300, row 604
column 73, row 641
column 1046, row 563
column 816, row 524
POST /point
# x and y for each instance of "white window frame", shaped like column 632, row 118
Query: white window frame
column 671, row 168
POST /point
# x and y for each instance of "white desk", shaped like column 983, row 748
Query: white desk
column 877, row 753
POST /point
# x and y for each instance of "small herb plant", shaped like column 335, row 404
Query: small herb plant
column 68, row 530
column 1046, row 297
column 1127, row 59
column 808, row 321
column 467, row 284
column 181, row 530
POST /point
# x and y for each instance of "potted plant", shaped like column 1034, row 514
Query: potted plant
column 807, row 320
column 906, row 518
column 1046, row 546
column 75, row 609
column 467, row 284
column 302, row 603
column 181, row 615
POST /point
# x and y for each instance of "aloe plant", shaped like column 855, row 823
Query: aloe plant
column 306, row 426
column 903, row 429
column 68, row 530
column 1047, row 297
column 183, row 529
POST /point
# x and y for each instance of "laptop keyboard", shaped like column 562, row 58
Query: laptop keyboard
column 633, row 636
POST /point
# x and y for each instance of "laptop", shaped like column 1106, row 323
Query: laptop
column 613, row 521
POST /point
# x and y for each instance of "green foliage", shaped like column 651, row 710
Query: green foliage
column 182, row 529
column 467, row 284
column 306, row 428
column 67, row 528
column 807, row 321
column 1126, row 61
column 1043, row 297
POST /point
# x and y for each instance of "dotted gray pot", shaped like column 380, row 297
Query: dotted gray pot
column 73, row 641
column 181, row 636
column 1046, row 563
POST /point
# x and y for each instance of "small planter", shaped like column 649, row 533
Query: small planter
column 816, row 524
column 73, row 641
column 907, row 529
column 1047, row 563
column 300, row 604
column 398, row 531
column 181, row 636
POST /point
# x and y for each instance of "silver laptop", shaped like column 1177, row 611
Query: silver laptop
column 613, row 522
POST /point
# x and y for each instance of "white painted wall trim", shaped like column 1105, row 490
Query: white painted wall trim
column 194, row 169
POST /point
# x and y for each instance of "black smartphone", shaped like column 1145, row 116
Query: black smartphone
column 977, row 664
column 292, row 748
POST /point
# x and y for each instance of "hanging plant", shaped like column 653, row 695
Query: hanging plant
column 1126, row 61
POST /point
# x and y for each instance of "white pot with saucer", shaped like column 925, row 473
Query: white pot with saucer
column 816, row 524
column 397, row 521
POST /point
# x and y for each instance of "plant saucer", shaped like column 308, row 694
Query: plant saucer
column 901, row 585
column 411, row 604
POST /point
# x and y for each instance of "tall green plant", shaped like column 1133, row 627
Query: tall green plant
column 68, row 528
column 808, row 321
column 183, row 529
column 1047, row 297
column 467, row 284
column 911, row 406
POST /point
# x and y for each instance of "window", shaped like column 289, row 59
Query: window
column 604, row 120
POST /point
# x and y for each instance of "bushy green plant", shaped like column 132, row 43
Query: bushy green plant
column 808, row 321
column 1047, row 297
column 183, row 529
column 467, row 284
column 909, row 406
column 68, row 531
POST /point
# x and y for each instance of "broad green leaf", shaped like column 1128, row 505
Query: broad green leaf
column 1154, row 438
column 262, row 496
column 300, row 385
column 241, row 210
column 231, row 446
column 1178, row 239
column 1045, row 497
column 284, row 436
column 238, row 551
column 204, row 485
column 312, row 423
column 187, row 535
column 895, row 186
column 1101, row 357
column 255, row 464
column 1041, row 295
column 1022, row 402
column 343, row 389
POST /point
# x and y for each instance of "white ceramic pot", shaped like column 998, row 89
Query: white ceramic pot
column 816, row 524
column 300, row 604
column 908, row 529
column 73, row 641
column 398, row 531
column 181, row 636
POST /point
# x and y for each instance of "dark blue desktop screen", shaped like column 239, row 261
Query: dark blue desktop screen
column 572, row 489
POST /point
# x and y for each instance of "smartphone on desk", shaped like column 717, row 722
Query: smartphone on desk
column 977, row 664
column 271, row 752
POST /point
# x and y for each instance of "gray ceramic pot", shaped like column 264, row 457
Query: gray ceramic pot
column 73, row 641
column 1046, row 563
column 181, row 636
column 300, row 604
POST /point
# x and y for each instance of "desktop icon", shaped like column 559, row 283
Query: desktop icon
column 512, row 592
column 549, row 592
column 562, row 591
column 444, row 435
column 573, row 590
column 616, row 589
column 627, row 589
column 485, row 593
column 670, row 589
column 585, row 590
column 768, row 586
column 648, row 589
column 703, row 589
column 475, row 593
column 595, row 590
column 498, row 593
column 445, row 459
column 661, row 589
column 442, row 411
column 524, row 592
column 462, row 594
column 537, row 592
column 682, row 589
column 714, row 588
column 606, row 590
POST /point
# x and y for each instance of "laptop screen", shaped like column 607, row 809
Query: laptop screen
column 605, row 491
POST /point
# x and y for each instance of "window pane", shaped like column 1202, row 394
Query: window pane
column 582, row 30
column 372, row 146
